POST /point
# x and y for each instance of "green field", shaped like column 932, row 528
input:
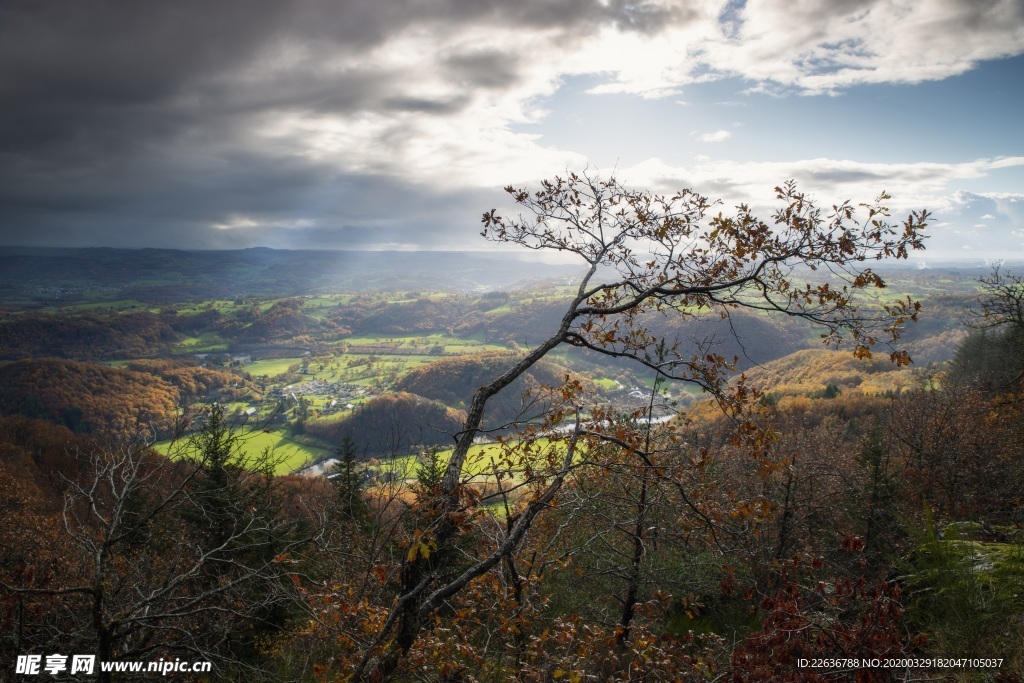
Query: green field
column 207, row 342
column 479, row 462
column 271, row 367
column 290, row 455
column 338, row 368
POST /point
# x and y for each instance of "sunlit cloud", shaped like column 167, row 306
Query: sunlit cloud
column 716, row 136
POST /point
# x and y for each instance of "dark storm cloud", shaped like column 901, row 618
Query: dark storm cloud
column 298, row 203
column 628, row 15
column 483, row 68
column 65, row 65
column 125, row 122
column 424, row 105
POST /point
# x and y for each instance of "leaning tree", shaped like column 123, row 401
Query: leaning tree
column 646, row 254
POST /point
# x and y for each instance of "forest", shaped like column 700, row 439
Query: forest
column 747, row 450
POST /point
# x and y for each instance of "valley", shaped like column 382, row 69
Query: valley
column 292, row 371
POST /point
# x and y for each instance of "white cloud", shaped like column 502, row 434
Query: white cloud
column 913, row 186
column 717, row 136
column 822, row 45
column 910, row 183
column 811, row 46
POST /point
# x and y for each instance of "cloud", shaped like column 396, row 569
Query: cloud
column 717, row 136
column 911, row 183
column 990, row 222
column 372, row 123
column 982, row 222
column 823, row 45
column 811, row 46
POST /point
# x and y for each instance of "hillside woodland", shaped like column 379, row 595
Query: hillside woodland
column 86, row 336
column 86, row 397
column 393, row 423
column 451, row 380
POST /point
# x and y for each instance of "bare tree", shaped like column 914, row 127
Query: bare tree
column 647, row 253
column 1001, row 304
column 169, row 555
column 994, row 352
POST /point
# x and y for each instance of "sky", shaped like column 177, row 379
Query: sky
column 372, row 124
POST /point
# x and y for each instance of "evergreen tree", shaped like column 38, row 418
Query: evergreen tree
column 349, row 482
column 881, row 497
column 429, row 472
column 239, row 529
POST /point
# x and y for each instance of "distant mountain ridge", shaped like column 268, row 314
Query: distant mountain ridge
column 158, row 275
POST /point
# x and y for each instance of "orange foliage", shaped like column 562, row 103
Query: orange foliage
column 85, row 336
column 88, row 397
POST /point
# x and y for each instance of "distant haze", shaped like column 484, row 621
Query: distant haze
column 48, row 275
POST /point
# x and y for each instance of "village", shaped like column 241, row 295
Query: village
column 338, row 395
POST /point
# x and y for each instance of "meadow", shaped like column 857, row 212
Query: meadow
column 288, row 454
